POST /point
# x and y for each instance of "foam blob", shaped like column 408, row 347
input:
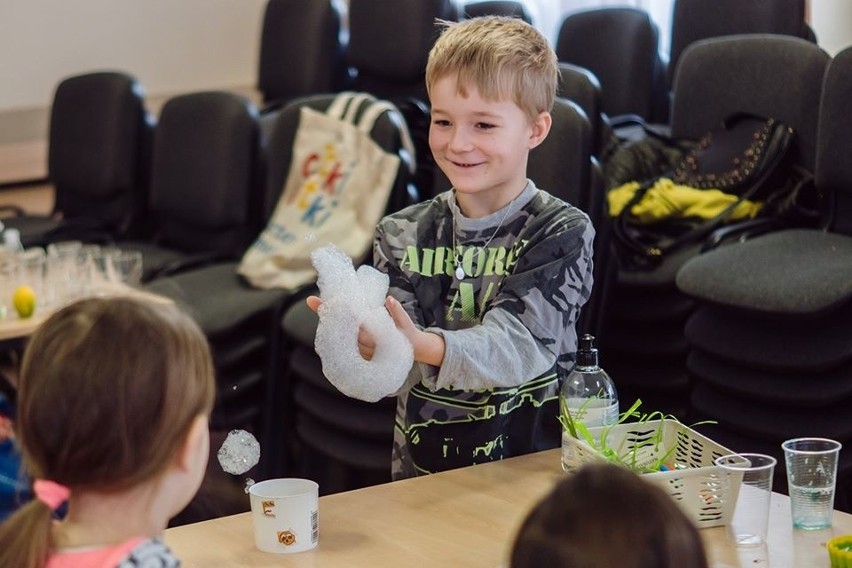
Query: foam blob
column 351, row 299
column 239, row 452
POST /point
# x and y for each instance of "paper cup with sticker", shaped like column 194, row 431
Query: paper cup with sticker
column 284, row 513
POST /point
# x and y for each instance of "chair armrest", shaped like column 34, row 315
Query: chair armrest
column 11, row 211
column 740, row 231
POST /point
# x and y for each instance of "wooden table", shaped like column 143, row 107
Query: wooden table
column 14, row 328
column 466, row 517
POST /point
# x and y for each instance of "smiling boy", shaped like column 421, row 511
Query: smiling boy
column 487, row 279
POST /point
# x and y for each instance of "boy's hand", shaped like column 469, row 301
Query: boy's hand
column 366, row 341
column 428, row 347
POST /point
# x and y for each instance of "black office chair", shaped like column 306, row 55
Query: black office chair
column 242, row 322
column 618, row 45
column 769, row 346
column 98, row 152
column 580, row 85
column 350, row 441
column 694, row 20
column 645, row 350
column 497, row 8
column 204, row 182
column 302, row 50
column 389, row 61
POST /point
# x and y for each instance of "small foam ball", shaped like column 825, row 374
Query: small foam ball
column 239, row 452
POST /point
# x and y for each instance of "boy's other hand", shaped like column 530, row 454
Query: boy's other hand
column 314, row 302
column 401, row 319
column 428, row 347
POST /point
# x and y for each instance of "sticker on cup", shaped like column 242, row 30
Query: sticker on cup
column 285, row 514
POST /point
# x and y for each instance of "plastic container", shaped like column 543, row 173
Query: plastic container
column 840, row 551
column 706, row 493
column 588, row 393
column 12, row 240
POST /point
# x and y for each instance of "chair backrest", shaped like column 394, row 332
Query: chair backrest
column 389, row 43
column 693, row 20
column 751, row 73
column 834, row 146
column 302, row 49
column 497, row 8
column 205, row 173
column 97, row 149
column 388, row 48
column 581, row 86
column 386, row 132
column 563, row 165
column 618, row 45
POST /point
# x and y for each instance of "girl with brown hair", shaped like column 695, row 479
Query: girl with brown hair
column 113, row 405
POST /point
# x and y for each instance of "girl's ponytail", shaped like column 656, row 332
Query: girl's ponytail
column 25, row 536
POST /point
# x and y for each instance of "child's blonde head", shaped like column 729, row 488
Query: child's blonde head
column 109, row 390
column 502, row 58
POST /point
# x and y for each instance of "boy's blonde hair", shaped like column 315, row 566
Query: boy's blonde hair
column 503, row 58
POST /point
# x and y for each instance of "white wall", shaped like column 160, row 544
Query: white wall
column 171, row 46
column 175, row 46
column 832, row 22
column 831, row 19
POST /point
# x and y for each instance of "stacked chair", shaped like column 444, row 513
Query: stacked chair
column 497, row 8
column 644, row 348
column 390, row 63
column 694, row 20
column 242, row 322
column 769, row 345
column 344, row 443
column 620, row 47
column 204, row 182
column 98, row 153
column 302, row 50
column 581, row 86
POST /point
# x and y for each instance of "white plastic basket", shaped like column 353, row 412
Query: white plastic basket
column 705, row 492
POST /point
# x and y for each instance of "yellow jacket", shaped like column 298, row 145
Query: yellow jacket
column 665, row 200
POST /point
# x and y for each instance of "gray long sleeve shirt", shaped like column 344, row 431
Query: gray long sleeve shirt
column 508, row 326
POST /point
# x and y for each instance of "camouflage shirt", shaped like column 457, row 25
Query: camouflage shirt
column 508, row 325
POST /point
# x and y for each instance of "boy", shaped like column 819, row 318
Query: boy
column 487, row 279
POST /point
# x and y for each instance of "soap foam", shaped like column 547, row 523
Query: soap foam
column 239, row 452
column 351, row 299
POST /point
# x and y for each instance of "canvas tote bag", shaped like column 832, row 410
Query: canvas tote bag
column 336, row 192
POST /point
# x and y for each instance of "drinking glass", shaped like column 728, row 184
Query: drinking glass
column 750, row 521
column 811, row 477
